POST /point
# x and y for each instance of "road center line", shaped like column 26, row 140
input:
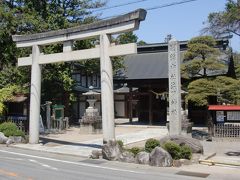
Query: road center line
column 43, row 165
column 70, row 162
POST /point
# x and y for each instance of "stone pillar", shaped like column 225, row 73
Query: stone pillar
column 106, row 90
column 48, row 114
column 35, row 97
column 67, row 46
column 174, row 79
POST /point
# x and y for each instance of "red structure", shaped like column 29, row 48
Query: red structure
column 225, row 113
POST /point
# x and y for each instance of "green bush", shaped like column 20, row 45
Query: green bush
column 173, row 149
column 10, row 129
column 186, row 152
column 7, row 126
column 151, row 144
column 177, row 151
column 135, row 150
column 120, row 143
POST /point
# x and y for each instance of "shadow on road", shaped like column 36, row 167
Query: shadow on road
column 45, row 141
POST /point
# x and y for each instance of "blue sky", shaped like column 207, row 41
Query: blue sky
column 183, row 21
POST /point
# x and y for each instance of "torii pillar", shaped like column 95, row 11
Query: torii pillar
column 102, row 30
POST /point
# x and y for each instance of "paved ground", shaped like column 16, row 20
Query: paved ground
column 27, row 164
column 226, row 151
column 73, row 142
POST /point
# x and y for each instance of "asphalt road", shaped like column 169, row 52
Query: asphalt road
column 32, row 165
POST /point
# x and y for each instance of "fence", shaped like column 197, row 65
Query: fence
column 227, row 130
column 20, row 121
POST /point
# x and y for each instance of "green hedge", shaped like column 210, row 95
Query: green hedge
column 177, row 151
column 186, row 152
column 151, row 144
column 135, row 150
column 10, row 129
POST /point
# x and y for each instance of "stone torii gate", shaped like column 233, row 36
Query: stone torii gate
column 102, row 30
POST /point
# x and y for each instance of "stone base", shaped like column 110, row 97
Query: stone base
column 93, row 128
column 186, row 129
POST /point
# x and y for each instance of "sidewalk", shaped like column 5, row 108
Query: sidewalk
column 72, row 142
column 226, row 151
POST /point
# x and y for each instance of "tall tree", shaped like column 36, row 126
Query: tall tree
column 227, row 21
column 231, row 67
column 127, row 37
column 33, row 16
column 201, row 57
column 236, row 57
column 201, row 61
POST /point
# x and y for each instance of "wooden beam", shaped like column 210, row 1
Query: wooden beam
column 150, row 110
column 93, row 53
column 130, row 105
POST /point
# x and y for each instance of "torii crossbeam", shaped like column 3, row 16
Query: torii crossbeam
column 102, row 30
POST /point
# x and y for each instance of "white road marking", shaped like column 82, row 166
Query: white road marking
column 70, row 162
column 43, row 165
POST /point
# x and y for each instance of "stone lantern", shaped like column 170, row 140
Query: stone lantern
column 91, row 122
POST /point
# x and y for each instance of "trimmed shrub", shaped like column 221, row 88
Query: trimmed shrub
column 173, row 149
column 177, row 151
column 135, row 150
column 151, row 144
column 10, row 129
column 186, row 152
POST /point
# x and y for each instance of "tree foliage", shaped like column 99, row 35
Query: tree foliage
column 227, row 88
column 201, row 57
column 236, row 57
column 227, row 21
column 127, row 37
column 6, row 94
column 33, row 16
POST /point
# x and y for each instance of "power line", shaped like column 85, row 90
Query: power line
column 158, row 7
column 170, row 4
column 119, row 5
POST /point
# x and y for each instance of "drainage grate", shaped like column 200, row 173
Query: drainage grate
column 92, row 161
column 194, row 174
